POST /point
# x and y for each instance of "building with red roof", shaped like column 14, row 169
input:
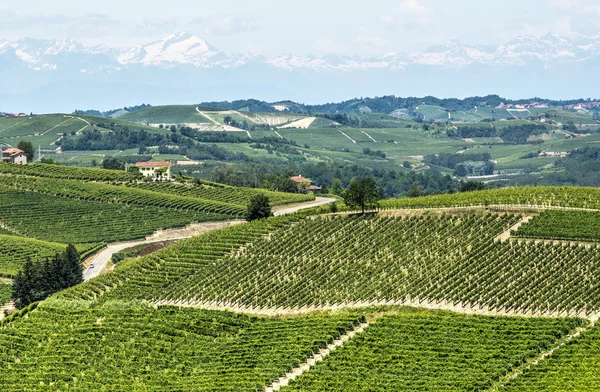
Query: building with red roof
column 155, row 170
column 14, row 155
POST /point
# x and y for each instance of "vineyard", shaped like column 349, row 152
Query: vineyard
column 226, row 194
column 5, row 292
column 563, row 225
column 58, row 219
column 66, row 172
column 322, row 262
column 574, row 197
column 14, row 252
column 76, row 345
column 424, row 352
column 140, row 278
column 572, row 368
column 90, row 191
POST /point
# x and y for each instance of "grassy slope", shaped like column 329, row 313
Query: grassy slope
column 172, row 114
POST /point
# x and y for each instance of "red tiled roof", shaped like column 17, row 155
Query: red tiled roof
column 153, row 164
column 299, row 179
column 13, row 151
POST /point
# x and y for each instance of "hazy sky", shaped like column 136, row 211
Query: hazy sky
column 349, row 27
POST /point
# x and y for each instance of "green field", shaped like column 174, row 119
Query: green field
column 131, row 346
column 572, row 368
column 5, row 292
column 14, row 252
column 64, row 220
column 421, row 351
column 167, row 115
column 563, row 225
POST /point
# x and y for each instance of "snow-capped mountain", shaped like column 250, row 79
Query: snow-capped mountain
column 187, row 49
column 184, row 65
column 177, row 49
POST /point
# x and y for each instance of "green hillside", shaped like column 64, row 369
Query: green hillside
column 489, row 290
column 166, row 115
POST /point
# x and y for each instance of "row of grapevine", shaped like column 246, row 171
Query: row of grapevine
column 423, row 352
column 66, row 172
column 233, row 195
column 58, row 219
column 574, row 197
column 140, row 278
column 74, row 345
column 574, row 367
column 563, row 225
column 90, row 191
column 330, row 261
column 14, row 252
column 5, row 292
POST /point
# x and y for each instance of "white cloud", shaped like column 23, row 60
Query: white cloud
column 565, row 4
column 228, row 24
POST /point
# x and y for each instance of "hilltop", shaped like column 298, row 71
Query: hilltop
column 454, row 292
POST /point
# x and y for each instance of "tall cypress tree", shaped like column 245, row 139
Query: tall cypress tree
column 73, row 265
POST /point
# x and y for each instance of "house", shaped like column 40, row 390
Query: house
column 155, row 170
column 305, row 185
column 14, row 155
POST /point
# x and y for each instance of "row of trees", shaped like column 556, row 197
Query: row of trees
column 37, row 281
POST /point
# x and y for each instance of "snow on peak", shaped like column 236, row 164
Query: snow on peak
column 180, row 48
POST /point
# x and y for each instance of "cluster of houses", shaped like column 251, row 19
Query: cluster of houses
column 523, row 106
column 12, row 114
column 305, row 185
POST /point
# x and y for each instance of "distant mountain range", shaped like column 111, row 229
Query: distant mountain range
column 60, row 75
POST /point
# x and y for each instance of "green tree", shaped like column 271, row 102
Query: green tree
column 73, row 267
column 336, row 187
column 415, row 190
column 470, row 186
column 27, row 147
column 259, row 208
column 362, row 193
column 113, row 163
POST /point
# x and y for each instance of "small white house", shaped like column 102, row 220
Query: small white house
column 14, row 155
column 156, row 170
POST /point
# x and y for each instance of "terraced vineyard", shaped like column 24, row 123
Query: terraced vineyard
column 130, row 346
column 140, row 278
column 90, row 191
column 14, row 252
column 58, row 219
column 66, row 172
column 322, row 262
column 574, row 197
column 433, row 352
column 572, row 368
column 330, row 289
column 223, row 193
column 563, row 225
column 5, row 292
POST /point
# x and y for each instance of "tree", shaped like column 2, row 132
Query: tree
column 27, row 147
column 407, row 165
column 362, row 193
column 336, row 187
column 415, row 191
column 258, row 208
column 113, row 163
column 470, row 186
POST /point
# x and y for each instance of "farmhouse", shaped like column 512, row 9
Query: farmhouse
column 305, row 185
column 14, row 155
column 155, row 170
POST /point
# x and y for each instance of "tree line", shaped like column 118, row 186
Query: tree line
column 37, row 281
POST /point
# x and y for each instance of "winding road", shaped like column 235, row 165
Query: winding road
column 100, row 259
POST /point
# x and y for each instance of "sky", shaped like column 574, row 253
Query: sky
column 350, row 27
